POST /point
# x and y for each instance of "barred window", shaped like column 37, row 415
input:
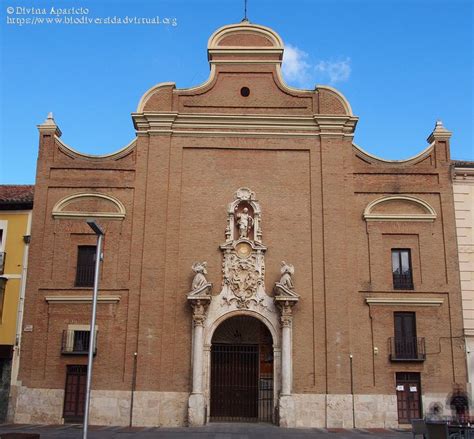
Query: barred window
column 85, row 266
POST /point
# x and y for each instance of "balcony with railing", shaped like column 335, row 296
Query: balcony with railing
column 402, row 281
column 407, row 349
column 76, row 342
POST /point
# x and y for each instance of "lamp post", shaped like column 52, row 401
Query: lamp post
column 98, row 257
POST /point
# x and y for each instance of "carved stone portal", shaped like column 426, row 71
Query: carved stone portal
column 243, row 265
column 242, row 293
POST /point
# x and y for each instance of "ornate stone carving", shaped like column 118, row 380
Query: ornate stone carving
column 244, row 193
column 286, row 316
column 200, row 295
column 287, row 271
column 243, row 217
column 199, row 280
column 284, row 290
column 245, row 222
column 199, row 311
column 243, row 265
column 285, row 296
column 243, row 278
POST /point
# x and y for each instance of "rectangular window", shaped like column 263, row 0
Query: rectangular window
column 76, row 340
column 81, row 341
column 405, row 336
column 85, row 266
column 401, row 269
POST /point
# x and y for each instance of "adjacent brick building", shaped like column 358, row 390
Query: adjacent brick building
column 361, row 326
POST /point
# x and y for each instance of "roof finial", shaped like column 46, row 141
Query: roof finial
column 245, row 19
column 49, row 120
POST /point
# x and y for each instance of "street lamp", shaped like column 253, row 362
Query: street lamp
column 98, row 258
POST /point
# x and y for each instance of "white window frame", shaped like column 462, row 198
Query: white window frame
column 70, row 335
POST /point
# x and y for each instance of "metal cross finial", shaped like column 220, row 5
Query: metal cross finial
column 245, row 11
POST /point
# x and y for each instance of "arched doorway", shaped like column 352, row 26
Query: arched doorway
column 241, row 371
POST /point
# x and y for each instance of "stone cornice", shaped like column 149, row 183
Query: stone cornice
column 461, row 173
column 409, row 301
column 82, row 299
column 266, row 125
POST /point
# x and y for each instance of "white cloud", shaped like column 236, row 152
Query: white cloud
column 335, row 71
column 298, row 69
column 294, row 67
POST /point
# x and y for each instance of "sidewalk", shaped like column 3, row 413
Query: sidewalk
column 210, row 431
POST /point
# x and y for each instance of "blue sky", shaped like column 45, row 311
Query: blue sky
column 402, row 64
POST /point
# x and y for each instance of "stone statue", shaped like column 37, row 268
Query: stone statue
column 287, row 271
column 245, row 223
column 199, row 280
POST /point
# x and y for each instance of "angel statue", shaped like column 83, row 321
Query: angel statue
column 287, row 271
column 199, row 280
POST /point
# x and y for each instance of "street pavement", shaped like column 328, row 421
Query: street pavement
column 210, row 431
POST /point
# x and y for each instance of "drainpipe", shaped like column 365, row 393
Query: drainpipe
column 352, row 392
column 134, row 385
column 21, row 303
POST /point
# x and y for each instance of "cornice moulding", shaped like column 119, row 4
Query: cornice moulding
column 409, row 301
column 396, row 217
column 460, row 172
column 81, row 299
column 190, row 124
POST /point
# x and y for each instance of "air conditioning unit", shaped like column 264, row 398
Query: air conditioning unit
column 2, row 261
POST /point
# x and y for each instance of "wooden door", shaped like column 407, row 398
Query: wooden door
column 74, row 394
column 408, row 396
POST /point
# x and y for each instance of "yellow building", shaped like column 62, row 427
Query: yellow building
column 16, row 203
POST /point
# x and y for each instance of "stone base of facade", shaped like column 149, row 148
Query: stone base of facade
column 108, row 407
column 339, row 411
column 37, row 406
column 196, row 410
column 160, row 409
column 178, row 409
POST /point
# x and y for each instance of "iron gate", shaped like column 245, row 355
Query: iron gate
column 240, row 391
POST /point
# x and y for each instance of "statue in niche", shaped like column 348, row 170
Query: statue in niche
column 199, row 281
column 287, row 271
column 245, row 223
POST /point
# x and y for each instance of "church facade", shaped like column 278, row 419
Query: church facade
column 258, row 265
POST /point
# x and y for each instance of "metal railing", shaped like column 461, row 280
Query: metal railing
column 76, row 342
column 84, row 276
column 402, row 281
column 407, row 349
